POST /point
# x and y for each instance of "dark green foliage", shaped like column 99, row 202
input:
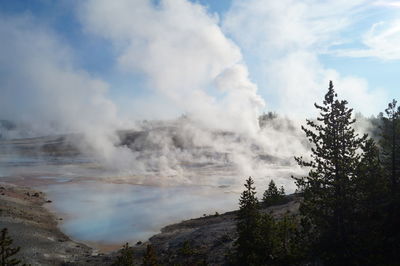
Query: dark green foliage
column 150, row 258
column 272, row 195
column 191, row 255
column 350, row 212
column 390, row 143
column 328, row 189
column 247, row 225
column 6, row 251
column 282, row 191
column 187, row 249
column 267, row 239
column 125, row 257
column 390, row 158
column 262, row 239
column 288, row 247
column 370, row 192
column 278, row 241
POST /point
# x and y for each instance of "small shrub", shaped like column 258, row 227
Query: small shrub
column 125, row 257
column 6, row 251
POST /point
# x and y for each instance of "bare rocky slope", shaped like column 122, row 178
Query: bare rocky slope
column 34, row 229
column 205, row 240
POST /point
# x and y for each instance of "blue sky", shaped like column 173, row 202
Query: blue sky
column 283, row 54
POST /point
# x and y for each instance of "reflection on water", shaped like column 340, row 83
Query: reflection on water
column 101, row 206
column 107, row 207
column 117, row 213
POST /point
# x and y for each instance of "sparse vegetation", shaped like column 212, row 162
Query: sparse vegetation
column 125, row 257
column 187, row 249
column 6, row 250
column 150, row 257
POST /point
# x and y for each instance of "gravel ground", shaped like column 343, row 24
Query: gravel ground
column 34, row 229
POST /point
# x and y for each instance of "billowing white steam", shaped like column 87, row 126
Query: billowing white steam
column 41, row 87
column 184, row 55
column 186, row 59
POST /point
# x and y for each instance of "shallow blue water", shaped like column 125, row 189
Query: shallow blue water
column 108, row 213
column 118, row 213
column 98, row 212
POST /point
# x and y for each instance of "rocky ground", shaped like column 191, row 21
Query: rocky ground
column 193, row 242
column 205, row 240
column 34, row 229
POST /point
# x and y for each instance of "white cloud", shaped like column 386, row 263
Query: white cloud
column 287, row 37
column 387, row 3
column 282, row 26
column 381, row 41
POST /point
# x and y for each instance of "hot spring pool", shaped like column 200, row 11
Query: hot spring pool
column 110, row 214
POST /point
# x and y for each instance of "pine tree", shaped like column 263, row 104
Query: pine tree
column 262, row 239
column 371, row 192
column 125, row 257
column 150, row 258
column 327, row 190
column 272, row 195
column 390, row 155
column 390, row 143
column 268, row 240
column 288, row 247
column 282, row 191
column 6, row 252
column 247, row 226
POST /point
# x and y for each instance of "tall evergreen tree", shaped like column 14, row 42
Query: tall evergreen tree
column 327, row 190
column 272, row 195
column 288, row 248
column 247, row 226
column 390, row 154
column 371, row 194
column 267, row 241
column 390, row 143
